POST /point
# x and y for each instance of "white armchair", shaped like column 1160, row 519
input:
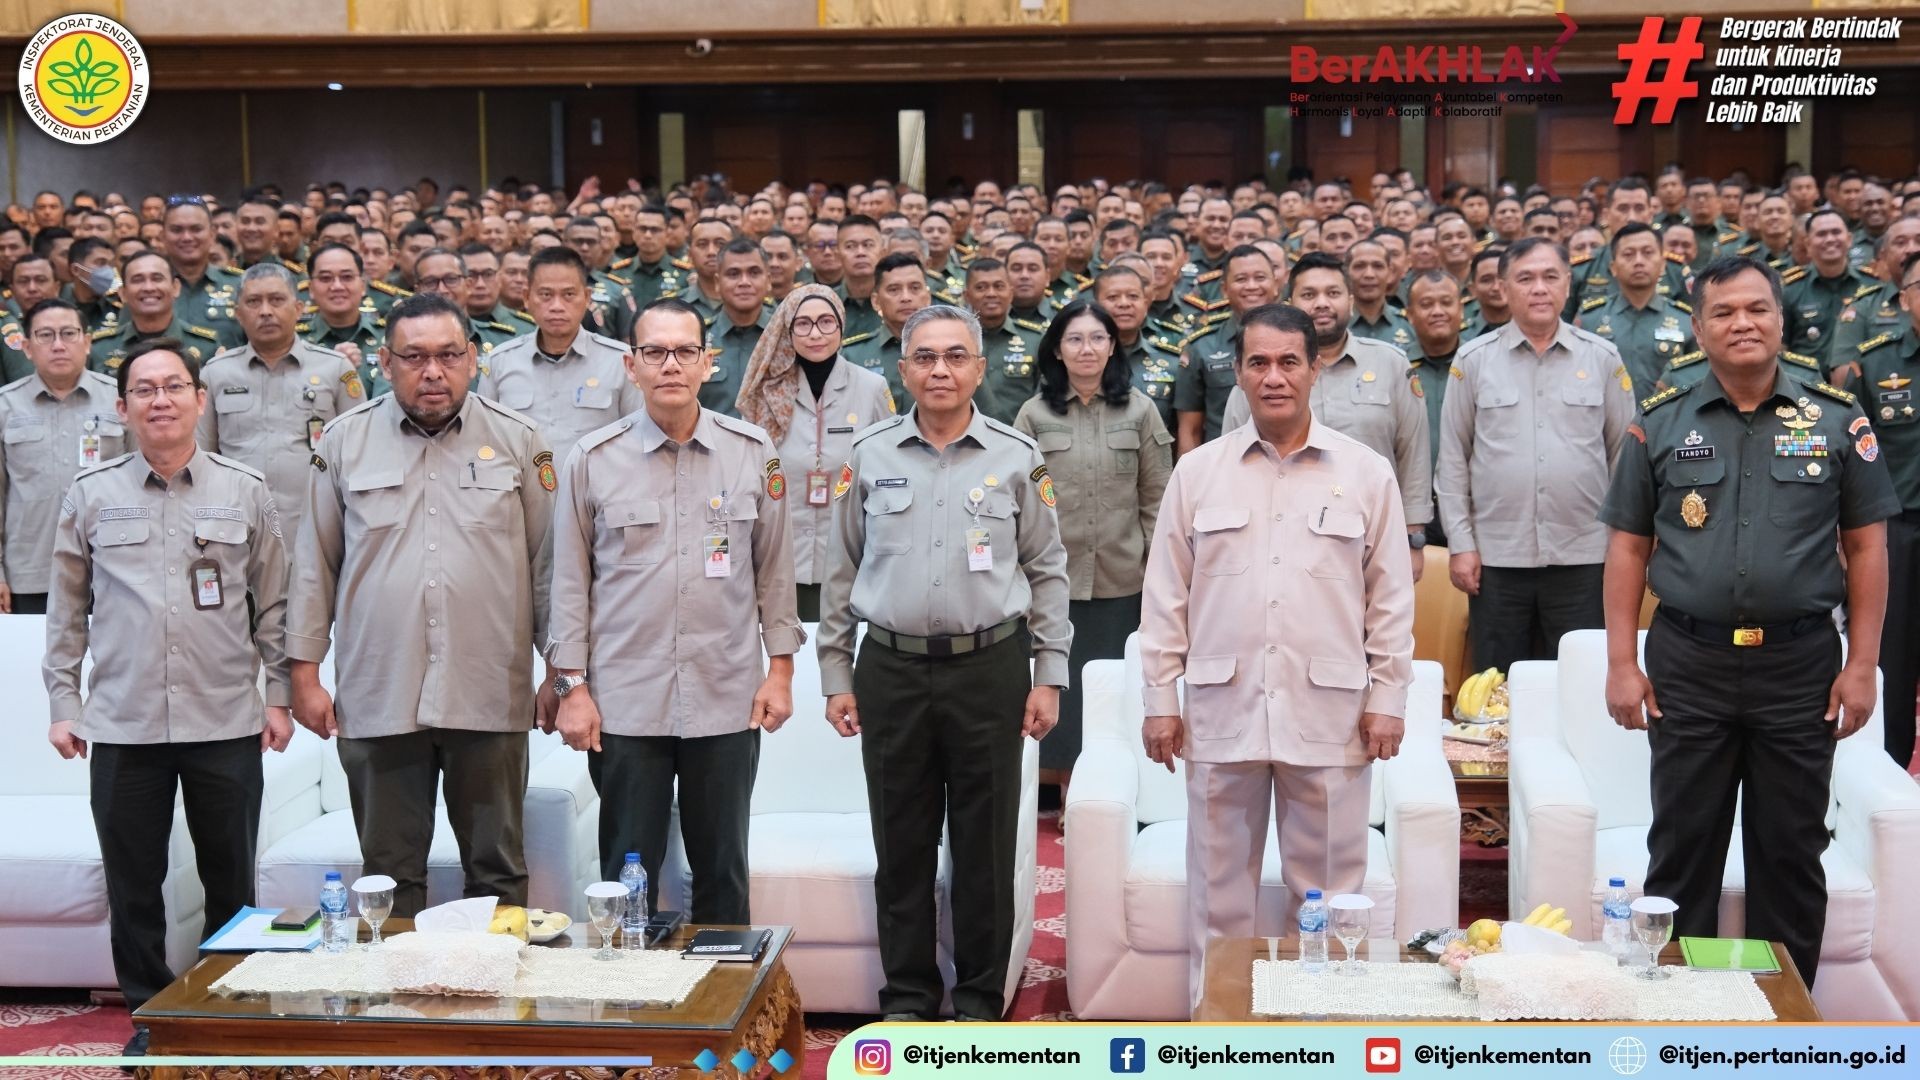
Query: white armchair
column 1126, row 822
column 53, row 892
column 1581, row 809
column 306, row 826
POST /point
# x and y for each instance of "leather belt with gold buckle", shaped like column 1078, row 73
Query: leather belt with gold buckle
column 1749, row 636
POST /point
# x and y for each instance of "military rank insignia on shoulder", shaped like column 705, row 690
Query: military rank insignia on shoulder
column 1789, row 276
column 1593, row 302
column 1693, row 357
column 1582, row 260
column 204, row 332
column 856, row 339
column 105, row 332
column 1834, row 392
column 1801, row 359
column 1873, row 343
column 1663, row 397
column 1034, row 325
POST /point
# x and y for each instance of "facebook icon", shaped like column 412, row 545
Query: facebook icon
column 1128, row 1056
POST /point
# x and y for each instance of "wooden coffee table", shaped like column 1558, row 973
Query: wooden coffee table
column 1228, row 993
column 738, row 1005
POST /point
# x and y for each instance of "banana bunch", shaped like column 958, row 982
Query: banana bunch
column 1548, row 917
column 1482, row 696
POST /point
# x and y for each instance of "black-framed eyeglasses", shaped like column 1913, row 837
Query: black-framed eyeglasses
column 419, row 361
column 68, row 334
column 656, row 355
column 435, row 284
column 953, row 358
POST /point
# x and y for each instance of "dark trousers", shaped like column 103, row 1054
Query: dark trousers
column 1899, row 637
column 807, row 598
column 132, row 796
column 1100, row 629
column 634, row 775
column 29, row 603
column 391, row 782
column 1522, row 611
column 1734, row 716
column 940, row 740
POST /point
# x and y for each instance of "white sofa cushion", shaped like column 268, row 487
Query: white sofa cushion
column 50, row 864
column 292, row 871
column 816, row 870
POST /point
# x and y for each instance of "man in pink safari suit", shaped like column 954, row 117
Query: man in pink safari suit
column 1281, row 588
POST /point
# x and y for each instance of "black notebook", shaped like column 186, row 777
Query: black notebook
column 740, row 945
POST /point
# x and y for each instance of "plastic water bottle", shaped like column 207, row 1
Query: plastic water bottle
column 633, row 925
column 1313, row 933
column 336, row 926
column 1617, row 933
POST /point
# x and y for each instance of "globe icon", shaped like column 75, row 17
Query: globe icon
column 1627, row 1055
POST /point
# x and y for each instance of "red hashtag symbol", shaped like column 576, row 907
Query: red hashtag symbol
column 1673, row 84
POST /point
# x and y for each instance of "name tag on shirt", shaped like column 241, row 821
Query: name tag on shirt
column 818, row 487
column 718, row 561
column 979, row 549
column 840, row 430
column 890, row 482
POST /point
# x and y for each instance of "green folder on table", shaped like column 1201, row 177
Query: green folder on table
column 1728, row 954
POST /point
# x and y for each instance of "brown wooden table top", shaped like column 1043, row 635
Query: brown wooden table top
column 1228, row 993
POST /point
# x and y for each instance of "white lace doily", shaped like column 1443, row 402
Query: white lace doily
column 655, row 978
column 1428, row 992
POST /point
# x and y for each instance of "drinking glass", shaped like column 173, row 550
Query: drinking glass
column 1352, row 917
column 606, row 904
column 1653, row 925
column 374, row 893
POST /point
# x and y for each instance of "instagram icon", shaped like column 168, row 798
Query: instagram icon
column 872, row 1057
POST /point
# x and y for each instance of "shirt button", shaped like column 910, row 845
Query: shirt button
column 433, row 622
column 936, row 581
column 936, row 622
column 433, row 476
column 433, row 547
column 175, row 650
column 1273, row 693
column 1273, row 603
column 683, row 551
column 936, row 543
column 432, row 510
column 432, row 584
column 174, row 611
column 1749, row 472
column 939, row 502
column 1276, row 559
column 1279, row 517
column 432, row 659
column 173, row 689
column 1743, row 571
column 1743, row 521
column 943, row 464
column 171, row 532
column 1273, row 648
column 173, row 570
column 123, row 536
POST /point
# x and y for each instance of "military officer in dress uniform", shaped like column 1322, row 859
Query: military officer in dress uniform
column 743, row 319
column 679, row 512
column 1879, row 311
column 1726, row 503
column 1649, row 330
column 897, row 294
column 567, row 378
column 441, row 271
column 95, row 285
column 340, row 320
column 170, row 566
column 1885, row 369
column 810, row 401
column 1433, row 306
column 610, row 307
column 208, row 293
column 1374, row 314
column 1771, row 239
column 651, row 272
column 33, row 280
column 148, row 288
column 56, row 422
column 1816, row 293
column 1153, row 359
column 271, row 397
column 1284, row 514
column 946, row 544
column 1205, row 380
column 413, row 498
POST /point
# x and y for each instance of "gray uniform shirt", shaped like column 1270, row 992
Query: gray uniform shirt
column 418, row 554
column 1527, row 443
column 900, row 551
column 643, row 529
column 583, row 391
column 816, row 448
column 1110, row 465
column 44, row 441
column 165, row 669
column 270, row 417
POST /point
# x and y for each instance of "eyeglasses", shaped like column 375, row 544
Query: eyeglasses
column 953, row 358
column 146, row 392
column 419, row 361
column 435, row 284
column 482, row 275
column 825, row 324
column 656, row 355
column 1081, row 342
column 68, row 334
column 823, row 245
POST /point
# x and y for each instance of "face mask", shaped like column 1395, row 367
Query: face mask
column 103, row 279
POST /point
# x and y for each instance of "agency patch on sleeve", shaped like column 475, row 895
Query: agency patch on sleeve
column 320, row 463
column 844, row 482
column 1046, row 490
column 352, row 381
column 543, row 461
column 776, row 482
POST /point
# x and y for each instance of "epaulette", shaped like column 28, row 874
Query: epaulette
column 1216, row 318
column 1802, row 359
column 856, row 338
column 1085, row 281
column 1749, row 249
column 390, row 290
column 744, row 427
column 1871, row 344
column 239, row 467
column 611, row 342
column 1835, row 393
column 621, row 264
column 767, row 301
column 618, row 280
column 104, row 466
column 1163, row 344
column 503, row 326
column 1672, row 258
column 1726, row 236
column 1582, row 260
column 1865, row 290
column 1029, row 324
column 364, row 406
column 1693, row 357
column 890, row 422
column 202, row 331
column 1211, row 275
column 1193, row 337
column 380, row 323
column 1009, row 429
column 683, row 264
column 296, row 267
column 301, row 328
column 1792, row 275
column 107, row 332
column 1682, row 305
column 494, row 405
column 1664, row 396
column 1195, row 299
column 603, row 435
column 302, row 285
column 227, row 270
column 1593, row 302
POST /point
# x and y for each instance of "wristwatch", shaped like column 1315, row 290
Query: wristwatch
column 1417, row 540
column 566, row 684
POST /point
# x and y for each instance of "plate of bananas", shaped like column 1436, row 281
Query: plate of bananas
column 1480, row 709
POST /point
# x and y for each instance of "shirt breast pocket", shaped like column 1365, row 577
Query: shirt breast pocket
column 484, row 496
column 1338, row 543
column 225, row 404
column 1219, row 372
column 225, row 542
column 1373, row 392
column 517, row 396
column 1123, row 450
column 889, row 526
column 1589, row 392
column 642, row 535
column 1804, row 498
column 26, row 435
column 122, row 553
column 741, row 516
column 1053, row 441
column 593, row 397
column 375, row 500
column 1220, row 540
column 322, row 402
column 1496, row 395
column 1685, row 478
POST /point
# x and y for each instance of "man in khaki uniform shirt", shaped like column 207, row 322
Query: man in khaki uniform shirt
column 568, row 379
column 427, row 510
column 1280, row 516
column 270, row 398
column 945, row 542
column 53, row 423
column 672, row 570
column 1527, row 443
column 170, row 565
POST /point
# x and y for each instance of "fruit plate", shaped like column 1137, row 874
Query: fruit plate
column 1483, row 734
column 543, row 925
